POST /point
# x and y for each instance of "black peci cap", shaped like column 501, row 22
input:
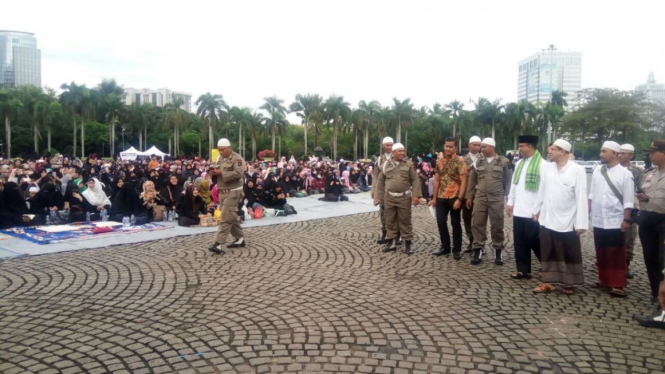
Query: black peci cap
column 529, row 139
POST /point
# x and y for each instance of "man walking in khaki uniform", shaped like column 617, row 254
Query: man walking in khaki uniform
column 387, row 146
column 625, row 157
column 398, row 186
column 469, row 159
column 229, row 169
column 488, row 187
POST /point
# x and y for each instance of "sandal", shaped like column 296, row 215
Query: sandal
column 520, row 275
column 597, row 285
column 618, row 292
column 568, row 290
column 544, row 288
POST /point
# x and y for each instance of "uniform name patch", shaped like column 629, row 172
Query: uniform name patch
column 239, row 162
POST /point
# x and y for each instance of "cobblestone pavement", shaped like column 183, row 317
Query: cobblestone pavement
column 310, row 297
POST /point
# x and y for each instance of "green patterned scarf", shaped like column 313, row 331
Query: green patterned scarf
column 532, row 173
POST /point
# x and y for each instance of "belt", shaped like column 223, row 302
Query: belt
column 399, row 194
column 232, row 189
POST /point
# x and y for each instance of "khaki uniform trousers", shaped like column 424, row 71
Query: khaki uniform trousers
column 630, row 242
column 382, row 214
column 229, row 217
column 482, row 210
column 398, row 216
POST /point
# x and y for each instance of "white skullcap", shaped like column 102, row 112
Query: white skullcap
column 387, row 139
column 223, row 142
column 563, row 145
column 612, row 146
column 489, row 141
column 628, row 148
column 397, row 146
column 474, row 139
column 34, row 189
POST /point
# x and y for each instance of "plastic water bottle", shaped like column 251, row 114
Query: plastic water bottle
column 125, row 222
column 170, row 216
column 87, row 217
column 105, row 215
column 133, row 220
column 175, row 215
column 48, row 220
column 164, row 219
column 52, row 216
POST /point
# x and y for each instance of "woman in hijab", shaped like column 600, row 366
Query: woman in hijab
column 287, row 186
column 191, row 207
column 13, row 209
column 149, row 198
column 76, row 202
column 170, row 193
column 204, row 191
column 333, row 189
column 116, row 186
column 155, row 179
column 95, row 198
column 50, row 197
column 126, row 203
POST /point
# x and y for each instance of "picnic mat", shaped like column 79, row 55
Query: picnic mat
column 81, row 232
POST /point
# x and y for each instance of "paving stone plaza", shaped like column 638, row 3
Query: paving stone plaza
column 311, row 297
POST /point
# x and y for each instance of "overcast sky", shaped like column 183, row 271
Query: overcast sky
column 430, row 51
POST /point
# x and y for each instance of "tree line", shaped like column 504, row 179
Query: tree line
column 81, row 120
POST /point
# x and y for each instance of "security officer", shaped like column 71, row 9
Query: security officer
column 469, row 159
column 652, row 216
column 387, row 145
column 488, row 187
column 229, row 169
column 397, row 187
column 625, row 156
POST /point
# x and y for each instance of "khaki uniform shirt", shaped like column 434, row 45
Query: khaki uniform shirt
column 654, row 187
column 397, row 178
column 233, row 169
column 468, row 160
column 379, row 163
column 489, row 181
column 638, row 176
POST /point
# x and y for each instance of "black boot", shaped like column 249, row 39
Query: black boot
column 390, row 246
column 457, row 255
column 498, row 259
column 383, row 238
column 407, row 248
column 629, row 275
column 216, row 248
column 477, row 257
column 442, row 252
column 399, row 239
column 469, row 248
column 238, row 243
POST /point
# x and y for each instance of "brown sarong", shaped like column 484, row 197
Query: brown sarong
column 561, row 257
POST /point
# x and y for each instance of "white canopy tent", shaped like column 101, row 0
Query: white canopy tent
column 153, row 151
column 129, row 154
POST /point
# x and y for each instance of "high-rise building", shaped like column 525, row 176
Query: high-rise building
column 159, row 97
column 547, row 71
column 654, row 91
column 20, row 60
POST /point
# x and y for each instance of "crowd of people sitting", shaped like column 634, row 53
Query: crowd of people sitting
column 33, row 191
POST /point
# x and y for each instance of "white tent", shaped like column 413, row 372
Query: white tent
column 154, row 151
column 130, row 154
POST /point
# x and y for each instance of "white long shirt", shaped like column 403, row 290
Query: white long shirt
column 606, row 209
column 562, row 198
column 519, row 198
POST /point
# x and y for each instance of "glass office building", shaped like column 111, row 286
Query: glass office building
column 549, row 70
column 20, row 60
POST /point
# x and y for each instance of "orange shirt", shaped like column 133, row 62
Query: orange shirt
column 153, row 164
column 450, row 174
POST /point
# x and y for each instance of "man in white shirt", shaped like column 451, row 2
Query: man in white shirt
column 611, row 200
column 561, row 211
column 523, row 195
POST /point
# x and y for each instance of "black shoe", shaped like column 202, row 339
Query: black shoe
column 238, row 243
column 656, row 320
column 383, row 238
column 442, row 252
column 390, row 246
column 477, row 257
column 407, row 248
column 629, row 275
column 457, row 255
column 398, row 241
column 216, row 248
column 498, row 259
column 469, row 248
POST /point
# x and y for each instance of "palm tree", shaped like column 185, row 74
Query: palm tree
column 337, row 112
column 492, row 112
column 276, row 119
column 46, row 111
column 372, row 109
column 113, row 105
column 359, row 122
column 438, row 118
column 403, row 111
column 210, row 109
column 305, row 107
column 175, row 116
column 559, row 98
column 77, row 100
column 456, row 107
column 10, row 108
column 254, row 126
